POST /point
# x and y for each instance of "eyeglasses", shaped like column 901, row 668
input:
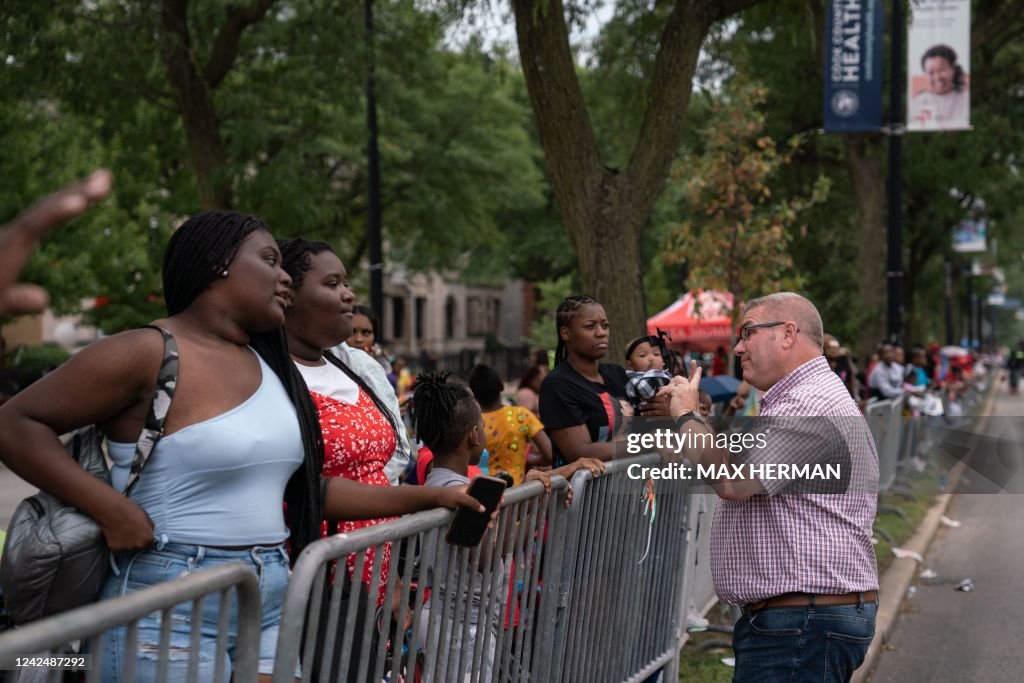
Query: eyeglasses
column 747, row 330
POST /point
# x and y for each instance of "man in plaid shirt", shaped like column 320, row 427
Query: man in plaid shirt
column 799, row 563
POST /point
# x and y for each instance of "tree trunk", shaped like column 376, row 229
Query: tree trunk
column 195, row 103
column 606, row 233
column 864, row 163
column 194, row 85
column 606, row 210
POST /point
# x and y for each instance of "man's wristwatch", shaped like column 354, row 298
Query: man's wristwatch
column 692, row 415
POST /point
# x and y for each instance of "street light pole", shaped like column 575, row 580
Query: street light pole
column 894, row 186
column 373, row 171
column 947, row 272
column 969, row 305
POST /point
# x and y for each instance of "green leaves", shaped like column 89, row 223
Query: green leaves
column 86, row 85
column 732, row 229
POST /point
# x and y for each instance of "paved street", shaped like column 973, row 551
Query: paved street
column 947, row 635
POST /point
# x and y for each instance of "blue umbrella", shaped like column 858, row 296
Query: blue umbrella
column 720, row 387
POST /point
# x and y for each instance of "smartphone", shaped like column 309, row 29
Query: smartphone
column 467, row 526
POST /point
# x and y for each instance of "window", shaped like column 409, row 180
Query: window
column 397, row 317
column 450, row 310
column 421, row 317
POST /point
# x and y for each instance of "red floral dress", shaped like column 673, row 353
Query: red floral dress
column 358, row 442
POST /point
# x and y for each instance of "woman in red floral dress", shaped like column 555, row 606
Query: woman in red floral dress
column 358, row 432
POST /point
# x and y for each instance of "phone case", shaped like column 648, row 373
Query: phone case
column 467, row 527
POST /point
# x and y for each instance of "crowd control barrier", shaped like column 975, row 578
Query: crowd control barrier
column 592, row 592
column 885, row 420
column 52, row 636
column 595, row 591
column 623, row 577
column 474, row 621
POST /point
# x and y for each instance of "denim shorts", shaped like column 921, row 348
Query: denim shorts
column 135, row 571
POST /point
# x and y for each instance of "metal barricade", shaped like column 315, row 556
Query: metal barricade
column 622, row 583
column 478, row 623
column 49, row 635
column 894, row 438
column 879, row 416
column 700, row 587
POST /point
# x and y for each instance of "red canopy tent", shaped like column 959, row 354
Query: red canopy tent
column 699, row 321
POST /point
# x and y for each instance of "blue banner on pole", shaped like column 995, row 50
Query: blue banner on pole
column 853, row 65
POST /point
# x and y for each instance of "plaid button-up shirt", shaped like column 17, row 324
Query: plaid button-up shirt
column 801, row 542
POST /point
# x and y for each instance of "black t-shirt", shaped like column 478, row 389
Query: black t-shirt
column 568, row 399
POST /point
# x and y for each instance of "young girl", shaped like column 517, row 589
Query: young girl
column 448, row 421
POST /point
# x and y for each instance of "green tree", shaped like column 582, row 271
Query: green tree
column 606, row 208
column 267, row 115
column 945, row 174
column 736, row 229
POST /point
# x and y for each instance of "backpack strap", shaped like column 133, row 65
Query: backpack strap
column 152, row 432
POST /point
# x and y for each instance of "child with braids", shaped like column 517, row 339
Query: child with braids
column 447, row 419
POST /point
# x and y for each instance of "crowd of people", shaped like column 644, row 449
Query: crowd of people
column 284, row 394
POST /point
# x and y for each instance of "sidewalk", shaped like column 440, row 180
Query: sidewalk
column 940, row 633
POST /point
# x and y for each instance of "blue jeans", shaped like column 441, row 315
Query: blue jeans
column 139, row 570
column 802, row 643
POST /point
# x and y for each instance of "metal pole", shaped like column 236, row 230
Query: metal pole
column 894, row 186
column 947, row 270
column 969, row 306
column 993, row 313
column 373, row 168
column 979, row 314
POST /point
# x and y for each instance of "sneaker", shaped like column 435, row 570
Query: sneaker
column 695, row 622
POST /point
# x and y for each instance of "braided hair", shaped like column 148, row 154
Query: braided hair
column 295, row 259
column 443, row 410
column 563, row 318
column 197, row 253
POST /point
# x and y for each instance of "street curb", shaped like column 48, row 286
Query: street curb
column 898, row 578
column 894, row 583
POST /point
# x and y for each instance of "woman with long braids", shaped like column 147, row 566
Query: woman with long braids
column 359, row 431
column 241, row 428
column 581, row 399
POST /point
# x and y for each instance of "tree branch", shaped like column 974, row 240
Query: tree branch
column 177, row 44
column 669, row 93
column 988, row 30
column 727, row 8
column 225, row 45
